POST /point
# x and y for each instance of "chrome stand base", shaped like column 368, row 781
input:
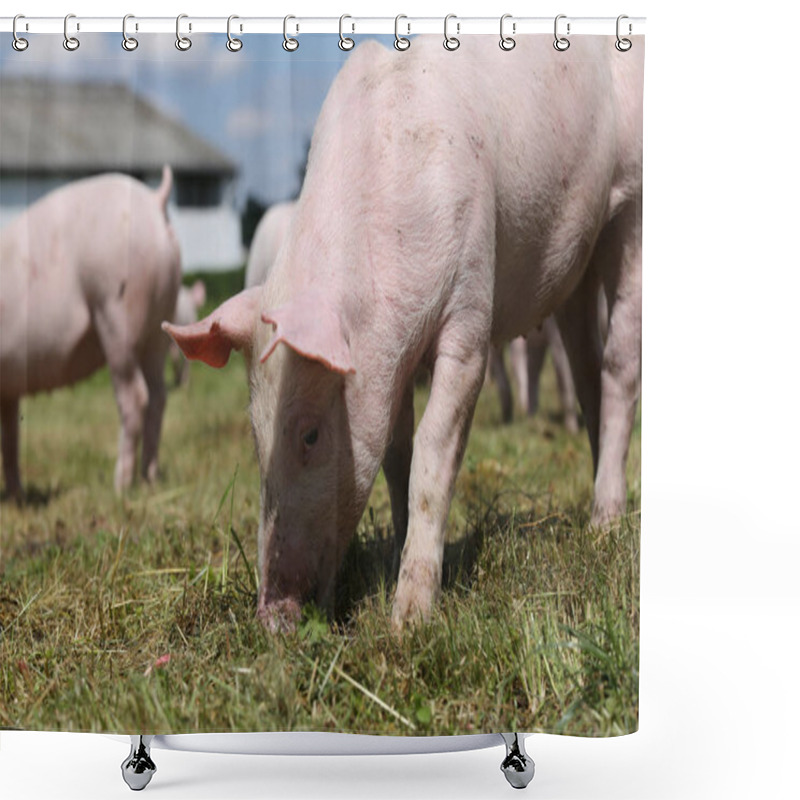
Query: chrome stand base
column 517, row 766
column 138, row 768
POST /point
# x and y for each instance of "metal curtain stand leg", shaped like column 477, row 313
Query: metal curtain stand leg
column 138, row 768
column 517, row 766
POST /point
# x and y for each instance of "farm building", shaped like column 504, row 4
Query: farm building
column 54, row 133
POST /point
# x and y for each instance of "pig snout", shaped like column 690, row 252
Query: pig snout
column 279, row 615
column 294, row 572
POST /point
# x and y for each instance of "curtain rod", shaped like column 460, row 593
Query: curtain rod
column 461, row 26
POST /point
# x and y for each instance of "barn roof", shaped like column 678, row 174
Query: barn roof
column 89, row 126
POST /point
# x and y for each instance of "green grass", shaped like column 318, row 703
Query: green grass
column 537, row 628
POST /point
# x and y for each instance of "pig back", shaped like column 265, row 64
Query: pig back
column 475, row 178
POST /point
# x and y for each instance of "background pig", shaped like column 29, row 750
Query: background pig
column 527, row 355
column 88, row 274
column 267, row 239
column 439, row 213
column 190, row 301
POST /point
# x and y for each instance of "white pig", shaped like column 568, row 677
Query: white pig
column 527, row 354
column 87, row 274
column 190, row 301
column 267, row 240
column 451, row 199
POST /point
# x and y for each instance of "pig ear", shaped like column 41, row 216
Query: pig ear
column 229, row 327
column 311, row 328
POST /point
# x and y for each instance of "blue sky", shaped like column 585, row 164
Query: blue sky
column 258, row 105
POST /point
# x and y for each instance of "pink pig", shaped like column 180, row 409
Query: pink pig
column 190, row 301
column 451, row 199
column 527, row 359
column 88, row 274
column 267, row 241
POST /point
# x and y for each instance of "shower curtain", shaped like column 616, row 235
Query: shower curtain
column 332, row 517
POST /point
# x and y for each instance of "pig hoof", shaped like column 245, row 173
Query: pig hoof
column 409, row 610
column 418, row 587
column 517, row 766
column 604, row 516
column 138, row 768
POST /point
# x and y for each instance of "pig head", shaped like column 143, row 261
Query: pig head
column 311, row 500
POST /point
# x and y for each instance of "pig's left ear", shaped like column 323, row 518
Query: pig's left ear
column 311, row 328
column 229, row 327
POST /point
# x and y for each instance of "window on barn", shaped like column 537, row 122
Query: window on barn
column 198, row 191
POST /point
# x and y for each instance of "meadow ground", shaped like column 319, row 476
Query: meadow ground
column 137, row 613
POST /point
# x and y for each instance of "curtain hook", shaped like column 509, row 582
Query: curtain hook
column 451, row 42
column 71, row 43
column 400, row 42
column 507, row 42
column 233, row 44
column 128, row 42
column 19, row 44
column 623, row 45
column 289, row 44
column 183, row 43
column 345, row 42
column 560, row 43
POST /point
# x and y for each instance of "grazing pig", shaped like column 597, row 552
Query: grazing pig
column 527, row 359
column 267, row 240
column 190, row 301
column 88, row 274
column 451, row 199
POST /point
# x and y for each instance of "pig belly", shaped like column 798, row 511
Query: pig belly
column 36, row 360
column 530, row 286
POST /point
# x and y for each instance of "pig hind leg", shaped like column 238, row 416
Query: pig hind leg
column 622, row 362
column 439, row 444
column 153, row 370
column 497, row 369
column 9, row 422
column 130, row 389
column 397, row 469
column 518, row 355
column 536, row 350
column 580, row 333
column 566, row 386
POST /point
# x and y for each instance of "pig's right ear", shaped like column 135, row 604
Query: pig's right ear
column 229, row 327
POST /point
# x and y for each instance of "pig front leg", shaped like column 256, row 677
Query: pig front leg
column 622, row 365
column 9, row 423
column 397, row 469
column 438, row 450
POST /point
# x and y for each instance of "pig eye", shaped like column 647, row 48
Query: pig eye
column 310, row 438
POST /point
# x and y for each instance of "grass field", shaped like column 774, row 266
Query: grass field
column 137, row 614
